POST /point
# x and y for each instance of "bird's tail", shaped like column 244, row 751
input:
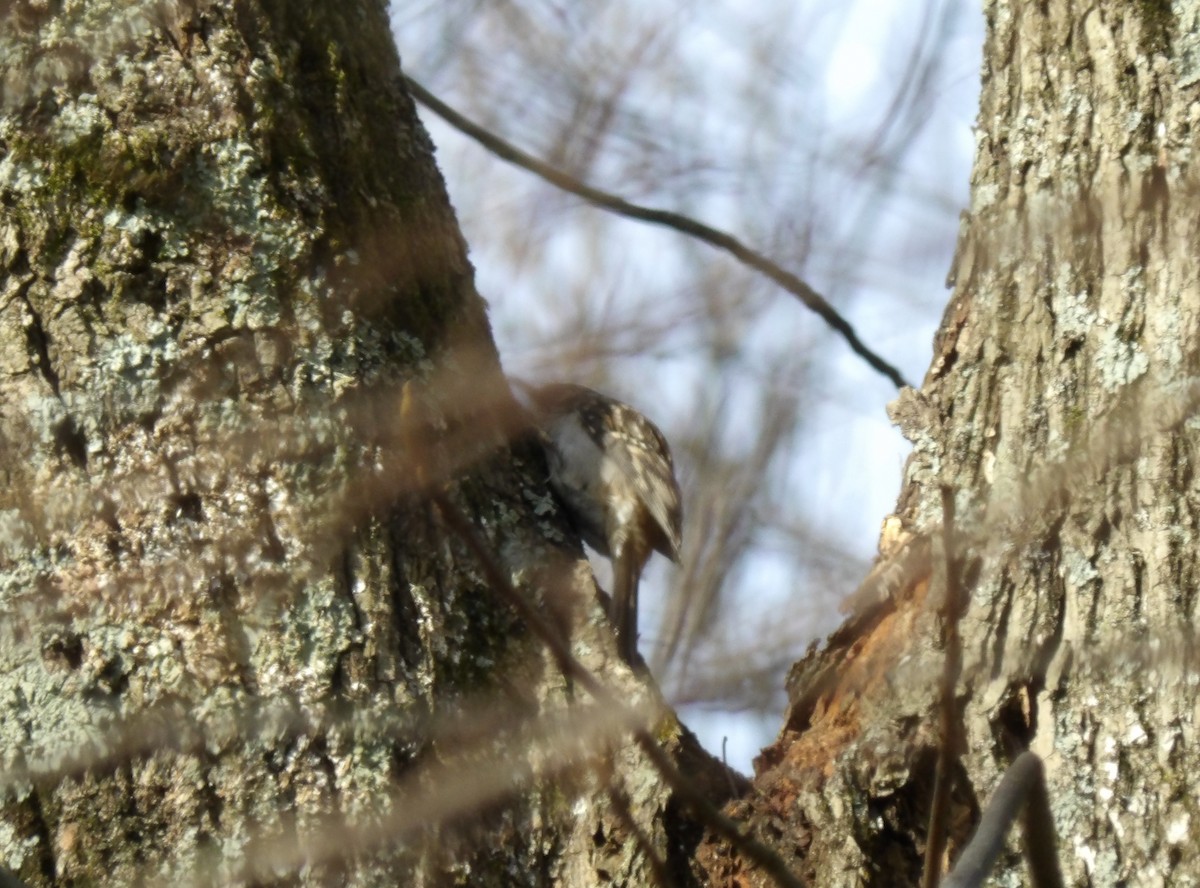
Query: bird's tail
column 627, row 568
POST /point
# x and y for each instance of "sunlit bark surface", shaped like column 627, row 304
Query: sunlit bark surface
column 236, row 642
column 1058, row 406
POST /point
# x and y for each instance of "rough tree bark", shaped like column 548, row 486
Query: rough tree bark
column 236, row 642
column 1059, row 406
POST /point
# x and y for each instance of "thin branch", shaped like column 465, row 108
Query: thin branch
column 440, row 792
column 812, row 300
column 1023, row 783
column 1041, row 843
column 943, row 782
column 572, row 668
column 620, row 804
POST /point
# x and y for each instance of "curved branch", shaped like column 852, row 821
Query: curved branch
column 1023, row 784
column 811, row 299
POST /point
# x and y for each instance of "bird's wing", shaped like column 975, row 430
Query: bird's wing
column 643, row 456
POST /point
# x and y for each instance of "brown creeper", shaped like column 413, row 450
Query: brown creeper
column 612, row 470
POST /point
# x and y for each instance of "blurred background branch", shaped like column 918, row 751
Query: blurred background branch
column 838, row 142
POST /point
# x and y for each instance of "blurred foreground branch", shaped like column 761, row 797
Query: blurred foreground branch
column 724, row 826
column 950, row 716
column 1023, row 784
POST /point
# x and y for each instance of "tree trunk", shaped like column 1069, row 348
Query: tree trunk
column 238, row 644
column 1058, row 409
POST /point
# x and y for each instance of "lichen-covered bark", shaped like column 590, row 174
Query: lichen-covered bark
column 235, row 641
column 1058, row 407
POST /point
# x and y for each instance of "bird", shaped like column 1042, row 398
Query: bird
column 611, row 469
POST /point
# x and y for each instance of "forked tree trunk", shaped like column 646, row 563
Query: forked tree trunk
column 237, row 643
column 1059, row 408
column 233, row 627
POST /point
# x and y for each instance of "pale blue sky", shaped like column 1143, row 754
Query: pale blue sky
column 760, row 114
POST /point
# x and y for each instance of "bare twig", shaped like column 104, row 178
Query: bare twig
column 948, row 745
column 1023, row 783
column 811, row 299
column 436, row 793
column 658, row 866
column 572, row 668
column 1041, row 844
